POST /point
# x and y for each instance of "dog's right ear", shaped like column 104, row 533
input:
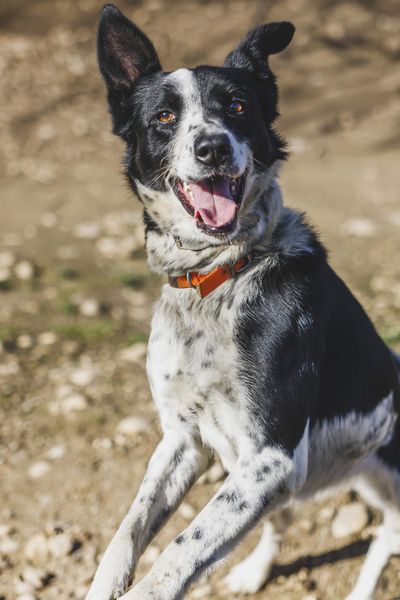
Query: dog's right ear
column 124, row 54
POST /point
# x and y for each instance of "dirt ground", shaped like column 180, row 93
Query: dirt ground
column 76, row 295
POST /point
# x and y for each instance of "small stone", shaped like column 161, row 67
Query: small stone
column 61, row 545
column 5, row 530
column 49, row 220
column 130, row 426
column 102, row 444
column 7, row 259
column 86, row 231
column 24, row 341
column 214, row 474
column 39, row 469
column 36, row 549
column 73, row 403
column 47, row 338
column 306, row 525
column 151, row 555
column 8, row 546
column 187, row 511
column 34, row 578
column 349, row 520
column 64, row 390
column 89, row 307
column 26, row 597
column 359, row 227
column 134, row 353
column 24, row 270
column 108, row 247
column 82, row 377
column 325, row 515
column 56, row 452
column 9, row 368
column 45, row 131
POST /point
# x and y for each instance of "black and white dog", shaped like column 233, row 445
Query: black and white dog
column 258, row 351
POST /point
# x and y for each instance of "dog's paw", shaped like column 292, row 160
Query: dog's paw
column 243, row 580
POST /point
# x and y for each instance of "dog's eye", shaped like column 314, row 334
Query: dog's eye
column 165, row 116
column 236, row 107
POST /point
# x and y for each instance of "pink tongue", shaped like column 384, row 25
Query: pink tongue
column 214, row 202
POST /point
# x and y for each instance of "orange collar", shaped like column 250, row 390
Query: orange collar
column 205, row 283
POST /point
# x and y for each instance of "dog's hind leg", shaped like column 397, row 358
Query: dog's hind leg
column 250, row 575
column 380, row 489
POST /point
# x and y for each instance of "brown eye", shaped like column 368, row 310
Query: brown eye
column 165, row 116
column 236, row 107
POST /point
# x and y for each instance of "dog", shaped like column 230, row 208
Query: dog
column 258, row 352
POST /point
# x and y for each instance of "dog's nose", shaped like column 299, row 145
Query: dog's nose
column 213, row 150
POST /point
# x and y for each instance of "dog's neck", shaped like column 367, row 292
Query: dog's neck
column 171, row 256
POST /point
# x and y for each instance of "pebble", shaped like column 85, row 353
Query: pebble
column 8, row 546
column 24, row 341
column 69, row 404
column 134, row 353
column 349, row 520
column 36, row 549
column 39, row 469
column 133, row 425
column 24, row 270
column 56, row 452
column 47, row 338
column 7, row 259
column 187, row 511
column 82, row 377
column 214, row 474
column 5, row 530
column 359, row 227
column 325, row 515
column 90, row 307
column 10, row 368
column 102, row 444
column 49, row 220
column 33, row 578
column 150, row 555
column 60, row 545
column 306, row 525
column 64, row 390
column 86, row 231
column 108, row 247
column 26, row 597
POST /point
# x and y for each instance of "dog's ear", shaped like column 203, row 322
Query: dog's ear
column 124, row 53
column 253, row 51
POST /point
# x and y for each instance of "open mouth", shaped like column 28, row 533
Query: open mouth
column 213, row 202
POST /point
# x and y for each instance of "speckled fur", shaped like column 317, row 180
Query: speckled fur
column 279, row 372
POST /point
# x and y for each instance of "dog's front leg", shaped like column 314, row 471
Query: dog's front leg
column 173, row 468
column 260, row 482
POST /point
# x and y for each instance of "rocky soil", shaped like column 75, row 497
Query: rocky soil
column 77, row 425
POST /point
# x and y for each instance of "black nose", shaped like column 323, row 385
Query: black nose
column 213, row 150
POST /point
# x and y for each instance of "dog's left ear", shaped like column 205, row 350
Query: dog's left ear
column 124, row 53
column 253, row 51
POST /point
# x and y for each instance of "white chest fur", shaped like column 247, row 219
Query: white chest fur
column 192, row 368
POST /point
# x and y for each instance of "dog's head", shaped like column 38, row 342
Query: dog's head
column 198, row 140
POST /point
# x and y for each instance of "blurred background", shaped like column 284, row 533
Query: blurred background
column 76, row 421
